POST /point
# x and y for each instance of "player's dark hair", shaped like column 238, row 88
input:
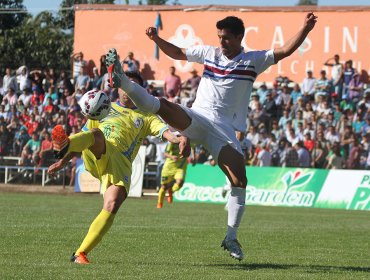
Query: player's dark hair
column 234, row 24
column 135, row 75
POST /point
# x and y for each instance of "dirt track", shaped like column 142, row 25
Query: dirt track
column 36, row 189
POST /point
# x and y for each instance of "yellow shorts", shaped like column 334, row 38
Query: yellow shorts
column 168, row 175
column 112, row 168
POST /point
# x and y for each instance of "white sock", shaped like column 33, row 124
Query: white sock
column 142, row 99
column 236, row 205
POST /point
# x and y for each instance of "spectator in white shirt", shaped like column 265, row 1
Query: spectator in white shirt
column 9, row 81
column 264, row 156
column 332, row 136
column 308, row 86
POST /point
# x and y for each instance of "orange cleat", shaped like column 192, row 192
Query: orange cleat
column 60, row 141
column 170, row 196
column 159, row 205
column 80, row 259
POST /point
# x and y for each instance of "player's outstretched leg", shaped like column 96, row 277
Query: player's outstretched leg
column 62, row 144
column 138, row 94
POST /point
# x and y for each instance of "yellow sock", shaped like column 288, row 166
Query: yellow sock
column 97, row 230
column 81, row 141
column 161, row 194
column 175, row 187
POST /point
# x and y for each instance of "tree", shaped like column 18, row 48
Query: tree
column 66, row 14
column 38, row 43
column 11, row 20
column 156, row 2
column 307, row 3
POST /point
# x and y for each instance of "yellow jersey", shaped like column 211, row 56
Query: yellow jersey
column 170, row 164
column 126, row 128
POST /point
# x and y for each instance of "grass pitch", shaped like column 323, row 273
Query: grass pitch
column 38, row 233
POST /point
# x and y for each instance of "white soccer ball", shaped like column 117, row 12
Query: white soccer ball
column 95, row 104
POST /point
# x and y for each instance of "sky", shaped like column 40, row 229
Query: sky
column 37, row 6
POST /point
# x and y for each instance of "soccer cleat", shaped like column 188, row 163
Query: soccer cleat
column 159, row 205
column 234, row 248
column 170, row 196
column 80, row 259
column 114, row 68
column 60, row 141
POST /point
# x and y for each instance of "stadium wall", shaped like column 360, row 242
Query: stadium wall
column 340, row 30
column 289, row 187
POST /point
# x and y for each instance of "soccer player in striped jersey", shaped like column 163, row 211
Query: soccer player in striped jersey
column 221, row 104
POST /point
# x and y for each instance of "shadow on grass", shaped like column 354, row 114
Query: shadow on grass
column 307, row 268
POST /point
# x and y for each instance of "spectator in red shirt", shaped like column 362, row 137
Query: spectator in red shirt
column 32, row 125
column 46, row 151
column 308, row 142
column 172, row 82
column 49, row 108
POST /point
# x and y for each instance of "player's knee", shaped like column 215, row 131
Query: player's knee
column 112, row 205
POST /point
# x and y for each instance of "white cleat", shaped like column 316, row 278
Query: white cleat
column 234, row 248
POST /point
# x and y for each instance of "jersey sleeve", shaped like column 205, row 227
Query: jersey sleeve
column 90, row 124
column 155, row 126
column 263, row 60
column 197, row 53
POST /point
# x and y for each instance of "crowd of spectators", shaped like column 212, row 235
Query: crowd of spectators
column 321, row 122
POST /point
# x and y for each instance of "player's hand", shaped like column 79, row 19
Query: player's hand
column 151, row 32
column 55, row 167
column 310, row 21
column 184, row 146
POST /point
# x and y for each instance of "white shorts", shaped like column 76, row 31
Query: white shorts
column 212, row 134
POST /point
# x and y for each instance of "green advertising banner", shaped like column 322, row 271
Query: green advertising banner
column 273, row 186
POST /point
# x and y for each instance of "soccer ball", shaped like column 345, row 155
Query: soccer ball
column 95, row 104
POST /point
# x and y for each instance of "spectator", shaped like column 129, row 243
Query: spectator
column 30, row 152
column 284, row 119
column 289, row 157
column 336, row 74
column 308, row 86
column 332, row 136
column 64, row 83
column 252, row 135
column 46, row 150
column 25, row 97
column 355, row 88
column 82, row 80
column 10, row 98
column 308, row 142
column 257, row 116
column 335, row 159
column 348, row 73
column 21, row 138
column 192, row 83
column 254, row 100
column 354, row 154
column 78, row 63
column 133, row 65
column 172, row 82
column 295, row 94
column 322, row 86
column 304, row 159
column 9, row 81
column 270, row 108
column 264, row 156
column 262, row 92
column 23, row 79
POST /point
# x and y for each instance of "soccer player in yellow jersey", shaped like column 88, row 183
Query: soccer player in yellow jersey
column 108, row 149
column 173, row 173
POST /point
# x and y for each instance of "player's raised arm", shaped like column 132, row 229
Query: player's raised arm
column 168, row 48
column 291, row 45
